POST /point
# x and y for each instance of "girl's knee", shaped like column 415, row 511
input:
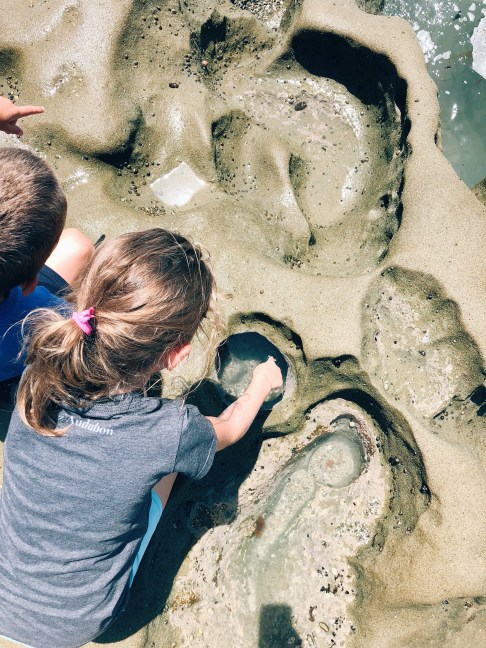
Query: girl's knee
column 71, row 254
column 77, row 244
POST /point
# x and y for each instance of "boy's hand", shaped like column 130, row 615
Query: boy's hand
column 270, row 373
column 9, row 113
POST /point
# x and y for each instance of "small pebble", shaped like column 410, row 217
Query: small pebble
column 300, row 106
column 173, row 84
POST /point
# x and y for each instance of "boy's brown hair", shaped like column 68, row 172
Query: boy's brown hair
column 32, row 215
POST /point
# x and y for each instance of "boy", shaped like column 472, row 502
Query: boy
column 32, row 217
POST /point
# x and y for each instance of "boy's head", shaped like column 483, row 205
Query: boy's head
column 32, row 215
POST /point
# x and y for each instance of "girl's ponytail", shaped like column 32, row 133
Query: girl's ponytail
column 148, row 293
column 56, row 357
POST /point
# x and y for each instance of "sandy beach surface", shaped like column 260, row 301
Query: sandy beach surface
column 299, row 143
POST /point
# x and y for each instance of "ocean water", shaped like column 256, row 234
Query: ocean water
column 452, row 34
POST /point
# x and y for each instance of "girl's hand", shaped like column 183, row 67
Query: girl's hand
column 232, row 424
column 9, row 113
column 269, row 371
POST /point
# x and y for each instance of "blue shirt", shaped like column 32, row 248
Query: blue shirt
column 12, row 312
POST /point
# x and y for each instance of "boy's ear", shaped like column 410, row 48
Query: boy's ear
column 29, row 286
column 176, row 356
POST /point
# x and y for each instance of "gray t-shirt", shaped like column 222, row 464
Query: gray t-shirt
column 74, row 509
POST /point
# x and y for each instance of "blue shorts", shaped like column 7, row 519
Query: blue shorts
column 155, row 513
column 51, row 281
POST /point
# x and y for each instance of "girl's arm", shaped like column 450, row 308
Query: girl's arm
column 232, row 424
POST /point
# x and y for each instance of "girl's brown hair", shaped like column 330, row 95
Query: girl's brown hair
column 150, row 292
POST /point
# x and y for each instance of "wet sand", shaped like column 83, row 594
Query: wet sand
column 345, row 238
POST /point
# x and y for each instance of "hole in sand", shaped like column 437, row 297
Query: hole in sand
column 340, row 457
column 236, row 359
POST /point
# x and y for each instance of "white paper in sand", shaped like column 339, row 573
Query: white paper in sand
column 178, row 187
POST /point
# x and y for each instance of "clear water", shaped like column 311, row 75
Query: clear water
column 444, row 29
column 339, row 460
column 238, row 357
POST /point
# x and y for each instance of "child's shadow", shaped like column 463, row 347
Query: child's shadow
column 212, row 501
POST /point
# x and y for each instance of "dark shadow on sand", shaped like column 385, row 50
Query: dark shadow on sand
column 173, row 538
column 276, row 628
column 368, row 75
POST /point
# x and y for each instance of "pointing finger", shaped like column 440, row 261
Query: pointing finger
column 25, row 111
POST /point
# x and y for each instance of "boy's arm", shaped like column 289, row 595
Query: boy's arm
column 232, row 424
column 9, row 113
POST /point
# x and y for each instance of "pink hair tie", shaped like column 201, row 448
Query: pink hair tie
column 82, row 320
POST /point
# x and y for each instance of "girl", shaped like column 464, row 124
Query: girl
column 88, row 461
